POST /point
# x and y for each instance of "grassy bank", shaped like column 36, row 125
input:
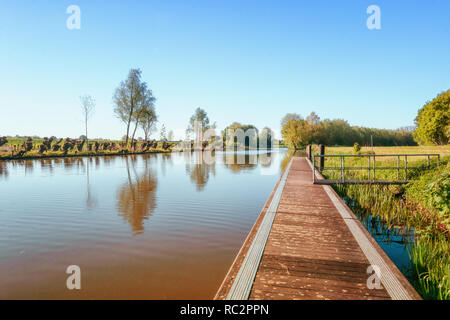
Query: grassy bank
column 422, row 205
column 27, row 148
column 21, row 148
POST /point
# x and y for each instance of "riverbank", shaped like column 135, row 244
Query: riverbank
column 420, row 207
column 81, row 154
column 28, row 149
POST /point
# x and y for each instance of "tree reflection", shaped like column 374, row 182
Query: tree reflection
column 91, row 201
column 3, row 169
column 166, row 158
column 238, row 162
column 136, row 197
column 47, row 165
column 200, row 169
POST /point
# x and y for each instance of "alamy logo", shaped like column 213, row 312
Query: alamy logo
column 73, row 22
column 374, row 20
column 374, row 280
column 74, row 280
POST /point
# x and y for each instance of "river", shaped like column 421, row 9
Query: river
column 161, row 226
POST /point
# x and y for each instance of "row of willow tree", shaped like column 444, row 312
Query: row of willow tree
column 298, row 132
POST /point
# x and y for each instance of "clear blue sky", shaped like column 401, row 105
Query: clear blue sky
column 246, row 61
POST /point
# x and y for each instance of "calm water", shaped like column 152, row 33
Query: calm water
column 394, row 241
column 139, row 227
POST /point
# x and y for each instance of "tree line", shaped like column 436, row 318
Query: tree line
column 432, row 127
column 298, row 132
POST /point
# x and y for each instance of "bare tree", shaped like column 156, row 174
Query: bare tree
column 87, row 106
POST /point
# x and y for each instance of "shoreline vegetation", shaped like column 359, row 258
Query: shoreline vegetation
column 28, row 148
column 38, row 148
column 422, row 207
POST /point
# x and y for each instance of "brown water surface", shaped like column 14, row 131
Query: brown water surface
column 139, row 227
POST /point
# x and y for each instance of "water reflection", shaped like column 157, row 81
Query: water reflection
column 136, row 199
column 166, row 158
column 394, row 240
column 3, row 169
column 199, row 169
column 238, row 162
column 27, row 165
column 91, row 201
column 189, row 224
column 47, row 165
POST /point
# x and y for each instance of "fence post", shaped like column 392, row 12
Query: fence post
column 308, row 151
column 374, row 162
column 314, row 169
column 406, row 167
column 321, row 159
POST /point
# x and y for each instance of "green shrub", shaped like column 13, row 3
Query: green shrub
column 356, row 148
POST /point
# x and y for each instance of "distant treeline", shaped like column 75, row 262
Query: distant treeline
column 298, row 132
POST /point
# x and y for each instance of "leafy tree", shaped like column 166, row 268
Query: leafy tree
column 145, row 111
column 250, row 131
column 201, row 116
column 147, row 120
column 433, row 121
column 290, row 116
column 293, row 133
column 87, row 107
column 266, row 135
column 131, row 98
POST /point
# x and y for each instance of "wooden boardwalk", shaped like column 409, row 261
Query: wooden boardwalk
column 307, row 244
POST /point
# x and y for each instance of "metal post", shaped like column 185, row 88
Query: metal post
column 428, row 161
column 398, row 168
column 321, row 159
column 406, row 167
column 343, row 169
column 374, row 160
column 369, row 169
